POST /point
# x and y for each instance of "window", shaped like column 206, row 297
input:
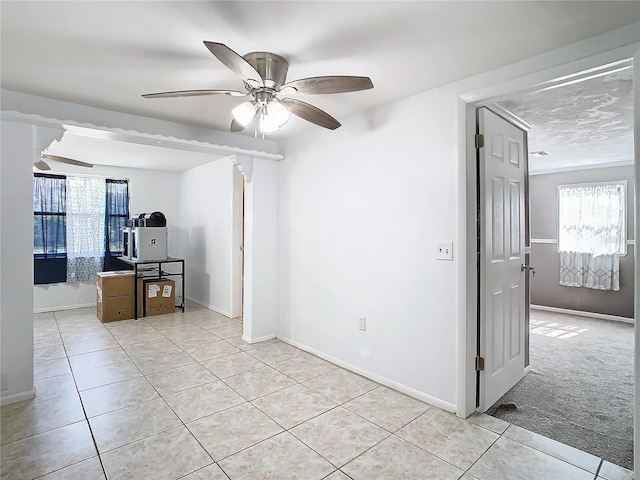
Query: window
column 592, row 234
column 77, row 223
column 116, row 216
column 592, row 218
column 49, row 229
column 117, row 213
column 49, row 215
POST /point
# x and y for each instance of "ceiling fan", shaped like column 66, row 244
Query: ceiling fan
column 264, row 75
column 43, row 165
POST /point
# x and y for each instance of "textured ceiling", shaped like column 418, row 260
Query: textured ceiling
column 580, row 124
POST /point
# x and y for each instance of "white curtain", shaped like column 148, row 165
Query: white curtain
column 85, row 228
column 591, row 234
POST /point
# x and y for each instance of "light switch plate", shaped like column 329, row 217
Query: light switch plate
column 444, row 250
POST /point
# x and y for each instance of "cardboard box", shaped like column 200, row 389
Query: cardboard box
column 159, row 295
column 115, row 300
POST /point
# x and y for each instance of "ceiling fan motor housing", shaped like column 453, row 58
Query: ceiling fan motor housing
column 271, row 67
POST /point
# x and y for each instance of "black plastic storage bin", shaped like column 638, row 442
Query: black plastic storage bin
column 154, row 219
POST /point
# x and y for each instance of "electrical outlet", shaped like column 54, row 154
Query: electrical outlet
column 363, row 323
column 444, row 250
column 4, row 381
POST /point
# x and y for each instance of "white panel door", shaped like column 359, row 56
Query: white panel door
column 502, row 170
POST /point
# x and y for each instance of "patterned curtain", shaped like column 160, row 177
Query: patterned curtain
column 591, row 234
column 85, row 228
column 600, row 272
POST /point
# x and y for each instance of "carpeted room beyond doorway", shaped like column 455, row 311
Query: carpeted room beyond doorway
column 580, row 387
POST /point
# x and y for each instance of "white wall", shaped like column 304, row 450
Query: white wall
column 16, row 261
column 207, row 221
column 149, row 191
column 360, row 211
column 260, row 253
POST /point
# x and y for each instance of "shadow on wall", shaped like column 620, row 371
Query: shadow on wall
column 198, row 279
column 547, row 291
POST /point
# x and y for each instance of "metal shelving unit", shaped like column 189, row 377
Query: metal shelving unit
column 156, row 266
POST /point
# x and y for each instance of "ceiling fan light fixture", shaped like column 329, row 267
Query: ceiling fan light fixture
column 273, row 116
column 244, row 113
column 277, row 112
column 267, row 125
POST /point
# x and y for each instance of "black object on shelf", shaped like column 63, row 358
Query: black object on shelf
column 153, row 219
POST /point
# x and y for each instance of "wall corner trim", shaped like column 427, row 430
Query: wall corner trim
column 450, row 407
column 18, row 397
column 210, row 307
column 264, row 338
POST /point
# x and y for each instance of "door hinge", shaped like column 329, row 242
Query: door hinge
column 479, row 364
column 479, row 141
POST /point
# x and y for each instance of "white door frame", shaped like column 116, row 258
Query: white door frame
column 559, row 66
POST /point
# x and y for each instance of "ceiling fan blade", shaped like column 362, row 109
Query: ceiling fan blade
column 194, row 93
column 330, row 84
column 310, row 113
column 235, row 62
column 69, row 161
column 42, row 165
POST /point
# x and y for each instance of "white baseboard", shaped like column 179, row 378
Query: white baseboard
column 600, row 316
column 258, row 339
column 63, row 307
column 210, row 307
column 450, row 407
column 18, row 397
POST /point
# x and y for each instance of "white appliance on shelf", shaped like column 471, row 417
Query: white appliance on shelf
column 145, row 237
column 150, row 243
column 145, row 243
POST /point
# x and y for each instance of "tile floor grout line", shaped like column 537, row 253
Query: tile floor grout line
column 86, row 417
column 485, row 451
column 598, row 469
column 160, row 396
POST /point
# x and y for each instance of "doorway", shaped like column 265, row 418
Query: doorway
column 580, row 387
column 565, row 326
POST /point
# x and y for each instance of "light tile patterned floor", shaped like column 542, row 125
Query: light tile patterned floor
column 182, row 396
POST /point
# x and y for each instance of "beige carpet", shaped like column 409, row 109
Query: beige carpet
column 580, row 387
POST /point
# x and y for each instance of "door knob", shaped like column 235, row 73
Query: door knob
column 530, row 268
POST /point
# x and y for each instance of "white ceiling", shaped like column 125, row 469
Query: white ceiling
column 106, row 54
